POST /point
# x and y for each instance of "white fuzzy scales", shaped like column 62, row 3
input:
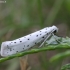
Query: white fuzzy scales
column 26, row 42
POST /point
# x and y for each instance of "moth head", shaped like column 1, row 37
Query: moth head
column 54, row 29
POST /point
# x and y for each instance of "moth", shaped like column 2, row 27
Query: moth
column 26, row 42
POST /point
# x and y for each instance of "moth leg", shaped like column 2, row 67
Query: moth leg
column 44, row 41
column 56, row 39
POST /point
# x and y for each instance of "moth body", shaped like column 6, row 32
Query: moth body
column 26, row 42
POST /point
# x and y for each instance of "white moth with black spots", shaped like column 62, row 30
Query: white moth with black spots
column 26, row 42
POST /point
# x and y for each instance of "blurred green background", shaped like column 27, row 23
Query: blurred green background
column 21, row 17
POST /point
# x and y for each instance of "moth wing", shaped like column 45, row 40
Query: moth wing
column 4, row 48
column 9, row 50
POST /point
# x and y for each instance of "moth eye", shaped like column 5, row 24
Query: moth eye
column 55, row 31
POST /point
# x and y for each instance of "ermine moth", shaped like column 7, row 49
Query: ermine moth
column 26, row 42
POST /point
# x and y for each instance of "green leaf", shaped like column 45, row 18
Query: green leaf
column 66, row 67
column 60, row 56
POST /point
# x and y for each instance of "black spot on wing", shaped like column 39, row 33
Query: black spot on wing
column 35, row 43
column 43, row 37
column 20, row 41
column 24, row 45
column 28, row 39
column 27, row 45
column 36, row 35
column 14, row 42
column 7, row 46
column 45, row 31
column 16, row 51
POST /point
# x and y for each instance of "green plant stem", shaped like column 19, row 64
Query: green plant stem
column 50, row 47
